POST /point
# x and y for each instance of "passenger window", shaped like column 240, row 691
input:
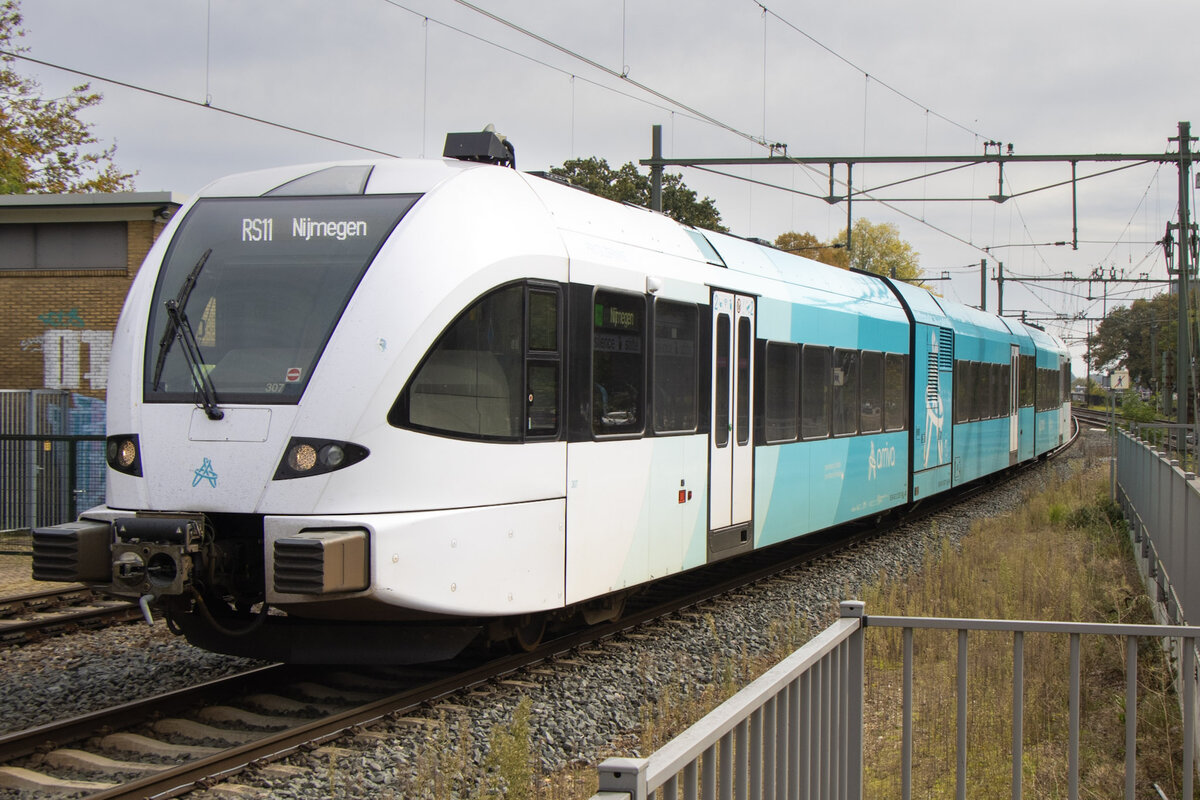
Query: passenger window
column 870, row 417
column 960, row 395
column 845, row 392
column 675, row 367
column 781, row 390
column 1027, row 378
column 618, row 363
column 815, row 391
column 471, row 382
column 895, row 392
column 1003, row 390
column 972, row 388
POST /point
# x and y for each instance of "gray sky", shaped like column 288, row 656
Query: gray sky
column 862, row 77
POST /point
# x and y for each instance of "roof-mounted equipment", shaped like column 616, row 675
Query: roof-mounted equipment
column 487, row 147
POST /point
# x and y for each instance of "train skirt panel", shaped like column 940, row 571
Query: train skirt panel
column 492, row 560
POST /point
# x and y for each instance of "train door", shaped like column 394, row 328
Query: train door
column 731, row 449
column 1014, row 395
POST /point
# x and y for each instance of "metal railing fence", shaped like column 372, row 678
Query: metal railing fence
column 47, row 479
column 1179, row 441
column 1161, row 501
column 1186, row 641
column 797, row 732
column 51, row 460
column 794, row 732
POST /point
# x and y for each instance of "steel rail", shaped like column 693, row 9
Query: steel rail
column 63, row 732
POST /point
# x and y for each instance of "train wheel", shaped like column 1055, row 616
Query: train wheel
column 606, row 609
column 529, row 630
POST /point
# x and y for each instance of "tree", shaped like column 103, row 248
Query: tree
column 807, row 245
column 875, row 248
column 627, row 185
column 878, row 248
column 43, row 143
column 1124, row 339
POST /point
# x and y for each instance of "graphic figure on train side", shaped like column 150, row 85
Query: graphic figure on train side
column 935, row 416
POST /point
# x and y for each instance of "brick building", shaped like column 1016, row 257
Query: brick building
column 66, row 263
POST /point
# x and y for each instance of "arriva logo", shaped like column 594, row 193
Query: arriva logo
column 205, row 473
column 879, row 459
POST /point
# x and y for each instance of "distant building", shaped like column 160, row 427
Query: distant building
column 66, row 263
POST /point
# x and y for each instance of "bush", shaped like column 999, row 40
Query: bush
column 1135, row 409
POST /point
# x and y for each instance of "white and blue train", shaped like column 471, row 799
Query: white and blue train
column 373, row 411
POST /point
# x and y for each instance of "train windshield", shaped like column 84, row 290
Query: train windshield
column 251, row 290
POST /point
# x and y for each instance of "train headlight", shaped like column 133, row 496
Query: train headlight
column 123, row 453
column 304, row 457
column 301, row 458
column 332, row 455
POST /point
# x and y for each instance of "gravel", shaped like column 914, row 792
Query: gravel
column 583, row 707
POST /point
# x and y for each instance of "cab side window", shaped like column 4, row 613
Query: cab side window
column 494, row 374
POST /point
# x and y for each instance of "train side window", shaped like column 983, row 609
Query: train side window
column 676, row 368
column 1026, row 377
column 815, row 391
column 1003, row 390
column 845, row 392
column 972, row 391
column 993, row 391
column 781, row 390
column 470, row 384
column 895, row 392
column 961, row 414
column 870, row 417
column 618, row 363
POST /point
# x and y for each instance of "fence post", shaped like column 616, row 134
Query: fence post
column 854, row 693
column 623, row 776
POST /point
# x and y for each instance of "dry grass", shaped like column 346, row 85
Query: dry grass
column 1061, row 556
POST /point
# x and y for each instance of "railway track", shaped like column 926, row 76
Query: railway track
column 169, row 744
column 64, row 609
column 1094, row 418
column 1168, row 437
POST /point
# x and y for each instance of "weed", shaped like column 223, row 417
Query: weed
column 509, row 762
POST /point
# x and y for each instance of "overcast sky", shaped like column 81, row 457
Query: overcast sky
column 862, row 77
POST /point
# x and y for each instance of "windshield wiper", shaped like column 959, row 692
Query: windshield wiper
column 179, row 327
column 191, row 352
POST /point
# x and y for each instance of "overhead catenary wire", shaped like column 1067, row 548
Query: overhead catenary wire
column 862, row 70
column 760, row 141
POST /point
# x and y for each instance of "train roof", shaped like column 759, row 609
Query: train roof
column 584, row 213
